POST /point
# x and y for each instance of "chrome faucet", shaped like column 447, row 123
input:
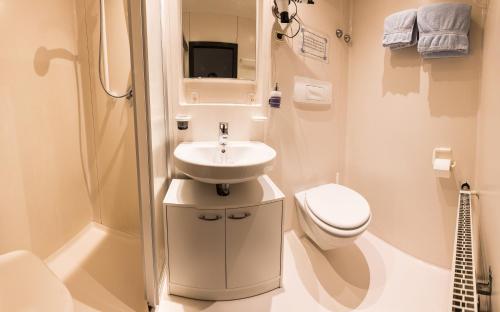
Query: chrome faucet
column 223, row 135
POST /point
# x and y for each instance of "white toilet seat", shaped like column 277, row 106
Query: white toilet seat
column 328, row 227
column 27, row 284
column 334, row 231
column 338, row 206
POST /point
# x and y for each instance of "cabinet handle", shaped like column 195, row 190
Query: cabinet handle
column 239, row 216
column 209, row 217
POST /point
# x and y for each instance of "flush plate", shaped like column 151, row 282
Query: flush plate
column 311, row 91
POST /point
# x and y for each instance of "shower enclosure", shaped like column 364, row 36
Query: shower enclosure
column 84, row 173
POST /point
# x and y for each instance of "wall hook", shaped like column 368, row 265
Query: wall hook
column 339, row 33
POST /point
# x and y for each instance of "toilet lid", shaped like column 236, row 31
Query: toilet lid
column 338, row 206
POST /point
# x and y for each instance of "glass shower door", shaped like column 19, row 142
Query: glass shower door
column 151, row 137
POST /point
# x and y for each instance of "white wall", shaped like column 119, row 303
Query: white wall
column 68, row 153
column 488, row 148
column 47, row 163
column 309, row 142
column 400, row 107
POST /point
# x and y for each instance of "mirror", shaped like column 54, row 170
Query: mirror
column 219, row 39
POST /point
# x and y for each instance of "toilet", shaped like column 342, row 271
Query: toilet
column 27, row 284
column 332, row 215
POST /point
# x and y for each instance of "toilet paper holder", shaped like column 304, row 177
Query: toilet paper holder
column 443, row 150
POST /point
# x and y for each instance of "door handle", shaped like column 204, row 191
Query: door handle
column 209, row 217
column 239, row 216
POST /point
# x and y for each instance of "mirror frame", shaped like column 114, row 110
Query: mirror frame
column 177, row 84
column 238, row 70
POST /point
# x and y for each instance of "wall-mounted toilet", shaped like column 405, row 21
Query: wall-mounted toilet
column 27, row 284
column 332, row 215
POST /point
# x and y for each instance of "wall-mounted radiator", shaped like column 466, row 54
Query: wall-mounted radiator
column 464, row 273
column 465, row 287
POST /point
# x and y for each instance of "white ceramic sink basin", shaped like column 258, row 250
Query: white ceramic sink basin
column 242, row 161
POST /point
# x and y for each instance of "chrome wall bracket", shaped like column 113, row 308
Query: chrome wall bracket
column 485, row 287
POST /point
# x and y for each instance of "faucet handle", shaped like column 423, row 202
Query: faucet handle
column 223, row 127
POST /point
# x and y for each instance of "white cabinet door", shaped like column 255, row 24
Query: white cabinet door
column 196, row 240
column 253, row 244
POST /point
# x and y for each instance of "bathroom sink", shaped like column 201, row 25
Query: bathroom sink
column 241, row 161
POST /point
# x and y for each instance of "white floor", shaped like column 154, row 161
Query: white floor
column 368, row 276
column 102, row 269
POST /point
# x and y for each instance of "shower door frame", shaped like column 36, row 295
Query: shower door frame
column 138, row 20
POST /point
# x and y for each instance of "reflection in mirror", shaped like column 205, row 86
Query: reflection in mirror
column 219, row 38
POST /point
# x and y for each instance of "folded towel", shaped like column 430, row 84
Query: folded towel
column 400, row 30
column 444, row 30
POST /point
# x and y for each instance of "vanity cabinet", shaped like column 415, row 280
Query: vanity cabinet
column 197, row 247
column 253, row 244
column 222, row 248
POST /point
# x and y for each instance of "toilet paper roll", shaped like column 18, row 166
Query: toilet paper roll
column 442, row 167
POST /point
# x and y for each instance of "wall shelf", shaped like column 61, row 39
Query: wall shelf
column 218, row 81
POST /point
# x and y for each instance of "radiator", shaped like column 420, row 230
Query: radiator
column 464, row 293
